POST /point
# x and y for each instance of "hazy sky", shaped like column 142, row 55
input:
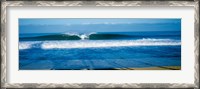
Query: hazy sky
column 55, row 25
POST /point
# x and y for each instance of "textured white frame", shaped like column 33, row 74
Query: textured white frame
column 6, row 4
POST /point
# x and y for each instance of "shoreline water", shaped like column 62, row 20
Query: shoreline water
column 153, row 68
column 144, row 68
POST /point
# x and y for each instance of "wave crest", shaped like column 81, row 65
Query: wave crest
column 76, row 36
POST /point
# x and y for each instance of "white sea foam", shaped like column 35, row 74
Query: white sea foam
column 97, row 43
column 108, row 43
column 83, row 36
column 27, row 45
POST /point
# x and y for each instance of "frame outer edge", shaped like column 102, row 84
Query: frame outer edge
column 3, row 44
column 96, row 3
column 196, row 26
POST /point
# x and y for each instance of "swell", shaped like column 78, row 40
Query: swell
column 91, row 36
column 51, row 37
column 97, row 43
column 108, row 36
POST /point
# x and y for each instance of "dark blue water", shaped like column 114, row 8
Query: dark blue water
column 103, row 51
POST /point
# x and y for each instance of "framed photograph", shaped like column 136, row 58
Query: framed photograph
column 100, row 44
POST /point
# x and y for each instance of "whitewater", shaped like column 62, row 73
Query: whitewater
column 97, row 43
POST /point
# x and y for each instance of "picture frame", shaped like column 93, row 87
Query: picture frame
column 4, row 39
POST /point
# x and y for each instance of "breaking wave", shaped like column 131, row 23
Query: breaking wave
column 74, row 36
column 97, row 43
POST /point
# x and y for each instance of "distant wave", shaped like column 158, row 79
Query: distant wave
column 97, row 43
column 74, row 36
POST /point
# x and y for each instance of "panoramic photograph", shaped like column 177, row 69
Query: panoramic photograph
column 99, row 43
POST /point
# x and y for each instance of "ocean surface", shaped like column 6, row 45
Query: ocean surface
column 99, row 50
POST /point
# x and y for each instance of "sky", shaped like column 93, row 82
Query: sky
column 60, row 25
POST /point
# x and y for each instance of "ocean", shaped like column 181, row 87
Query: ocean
column 99, row 50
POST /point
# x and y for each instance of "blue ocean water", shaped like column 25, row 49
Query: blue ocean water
column 99, row 50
